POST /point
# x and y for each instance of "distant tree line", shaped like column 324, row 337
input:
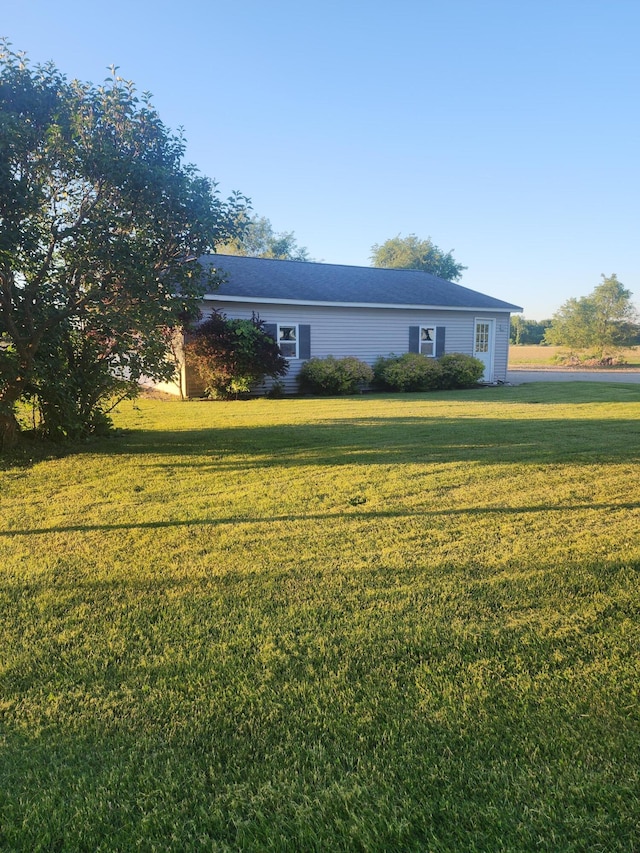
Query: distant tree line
column 525, row 331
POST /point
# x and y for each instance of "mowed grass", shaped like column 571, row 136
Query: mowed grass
column 390, row 623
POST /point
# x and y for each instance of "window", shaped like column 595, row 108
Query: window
column 482, row 336
column 288, row 340
column 428, row 340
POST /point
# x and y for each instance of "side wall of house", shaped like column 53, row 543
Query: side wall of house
column 177, row 387
column 371, row 332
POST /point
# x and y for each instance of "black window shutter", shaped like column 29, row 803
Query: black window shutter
column 304, row 341
column 440, row 333
column 414, row 338
column 272, row 330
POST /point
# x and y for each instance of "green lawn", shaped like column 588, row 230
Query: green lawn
column 386, row 623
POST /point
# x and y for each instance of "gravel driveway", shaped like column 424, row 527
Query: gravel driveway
column 518, row 377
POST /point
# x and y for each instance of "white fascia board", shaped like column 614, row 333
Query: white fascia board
column 252, row 300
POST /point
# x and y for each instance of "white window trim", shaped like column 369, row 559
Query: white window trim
column 297, row 341
column 434, row 329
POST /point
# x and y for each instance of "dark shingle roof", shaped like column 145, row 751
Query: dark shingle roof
column 308, row 282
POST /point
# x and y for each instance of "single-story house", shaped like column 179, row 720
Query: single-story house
column 318, row 309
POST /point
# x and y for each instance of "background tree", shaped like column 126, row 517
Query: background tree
column 525, row 331
column 602, row 322
column 257, row 239
column 101, row 228
column 412, row 253
column 233, row 356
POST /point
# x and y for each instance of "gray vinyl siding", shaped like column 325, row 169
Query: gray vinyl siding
column 371, row 332
column 503, row 325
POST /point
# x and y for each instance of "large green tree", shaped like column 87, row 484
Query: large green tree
column 412, row 253
column 101, row 228
column 602, row 322
column 257, row 239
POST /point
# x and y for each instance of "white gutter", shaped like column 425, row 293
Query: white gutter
column 215, row 297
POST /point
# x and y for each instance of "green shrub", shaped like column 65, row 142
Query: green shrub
column 358, row 374
column 334, row 375
column 460, row 371
column 408, row 372
column 416, row 372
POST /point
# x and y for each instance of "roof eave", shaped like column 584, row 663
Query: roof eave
column 221, row 297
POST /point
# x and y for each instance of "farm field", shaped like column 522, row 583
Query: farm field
column 530, row 355
column 384, row 623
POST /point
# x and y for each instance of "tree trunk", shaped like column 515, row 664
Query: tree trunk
column 9, row 430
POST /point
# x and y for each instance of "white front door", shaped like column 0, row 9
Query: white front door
column 483, row 337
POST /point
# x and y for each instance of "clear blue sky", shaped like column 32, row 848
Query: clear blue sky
column 506, row 130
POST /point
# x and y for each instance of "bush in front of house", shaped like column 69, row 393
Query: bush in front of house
column 233, row 356
column 415, row 372
column 408, row 372
column 460, row 370
column 332, row 375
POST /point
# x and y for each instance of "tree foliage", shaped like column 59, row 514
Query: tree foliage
column 72, row 382
column 602, row 322
column 233, row 356
column 525, row 331
column 257, row 239
column 412, row 253
column 101, row 228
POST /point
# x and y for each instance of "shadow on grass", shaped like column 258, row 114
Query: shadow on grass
column 375, row 441
column 371, row 515
column 388, row 440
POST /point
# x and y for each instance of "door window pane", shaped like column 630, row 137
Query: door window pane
column 482, row 337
